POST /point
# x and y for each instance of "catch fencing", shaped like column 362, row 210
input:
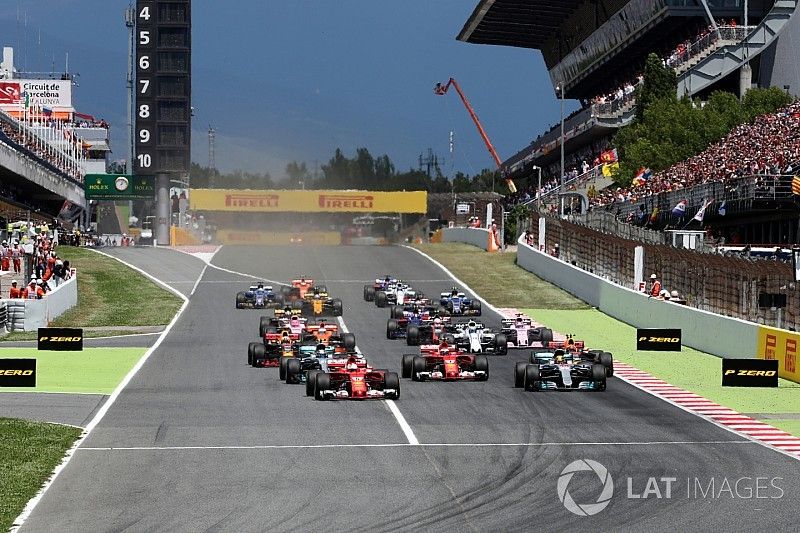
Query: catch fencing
column 725, row 285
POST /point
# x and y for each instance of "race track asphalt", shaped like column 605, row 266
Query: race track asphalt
column 199, row 441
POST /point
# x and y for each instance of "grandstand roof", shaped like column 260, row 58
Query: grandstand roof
column 520, row 23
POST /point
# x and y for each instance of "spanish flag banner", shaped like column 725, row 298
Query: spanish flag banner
column 796, row 185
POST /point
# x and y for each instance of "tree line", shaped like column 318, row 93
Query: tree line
column 363, row 171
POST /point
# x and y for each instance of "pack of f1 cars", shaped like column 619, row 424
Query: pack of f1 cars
column 521, row 333
column 563, row 370
column 457, row 303
column 352, row 379
column 380, row 284
column 258, row 297
column 443, row 362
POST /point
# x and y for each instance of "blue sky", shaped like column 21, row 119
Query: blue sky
column 297, row 79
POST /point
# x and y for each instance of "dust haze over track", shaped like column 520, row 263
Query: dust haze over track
column 198, row 440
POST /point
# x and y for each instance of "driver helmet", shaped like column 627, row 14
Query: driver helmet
column 260, row 284
column 437, row 321
column 322, row 328
column 444, row 351
column 321, row 349
column 471, row 324
column 519, row 320
column 351, row 365
column 454, row 291
column 558, row 356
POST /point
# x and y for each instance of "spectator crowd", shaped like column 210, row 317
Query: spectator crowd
column 768, row 146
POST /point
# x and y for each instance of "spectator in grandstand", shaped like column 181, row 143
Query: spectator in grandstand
column 770, row 145
column 14, row 292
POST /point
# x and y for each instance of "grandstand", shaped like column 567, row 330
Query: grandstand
column 597, row 48
column 46, row 146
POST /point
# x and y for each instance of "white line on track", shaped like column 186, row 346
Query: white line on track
column 632, row 382
column 417, row 444
column 401, row 420
column 33, row 502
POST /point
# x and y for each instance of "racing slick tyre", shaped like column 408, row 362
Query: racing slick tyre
column 545, row 336
column 392, row 381
column 349, row 341
column 240, row 300
column 292, row 370
column 476, row 307
column 282, row 367
column 501, row 344
column 412, row 335
column 297, row 304
column 322, row 383
column 263, row 325
column 250, row 350
column 337, row 307
column 418, row 364
column 396, row 311
column 482, row 364
column 450, row 339
column 259, row 354
column 408, row 365
column 369, row 293
column 607, row 360
column 311, row 380
column 519, row 374
column 391, row 328
column 442, row 311
column 599, row 376
column 531, row 377
column 380, row 299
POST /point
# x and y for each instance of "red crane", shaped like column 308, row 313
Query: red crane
column 441, row 90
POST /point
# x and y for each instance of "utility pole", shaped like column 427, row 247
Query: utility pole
column 212, row 156
column 428, row 161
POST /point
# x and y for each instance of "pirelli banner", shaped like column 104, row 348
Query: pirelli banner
column 250, row 201
column 780, row 345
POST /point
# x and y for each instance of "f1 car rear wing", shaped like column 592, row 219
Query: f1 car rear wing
column 512, row 322
column 568, row 345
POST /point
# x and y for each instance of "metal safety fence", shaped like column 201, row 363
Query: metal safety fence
column 713, row 282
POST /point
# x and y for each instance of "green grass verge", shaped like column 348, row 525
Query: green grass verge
column 111, row 294
column 498, row 279
column 16, row 336
column 94, row 370
column 29, row 451
column 789, row 426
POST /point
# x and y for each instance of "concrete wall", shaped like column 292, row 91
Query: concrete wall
column 704, row 331
column 39, row 313
column 475, row 236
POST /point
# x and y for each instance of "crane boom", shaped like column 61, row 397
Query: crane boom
column 441, row 90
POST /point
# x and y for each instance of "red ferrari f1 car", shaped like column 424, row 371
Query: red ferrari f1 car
column 352, row 379
column 443, row 362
